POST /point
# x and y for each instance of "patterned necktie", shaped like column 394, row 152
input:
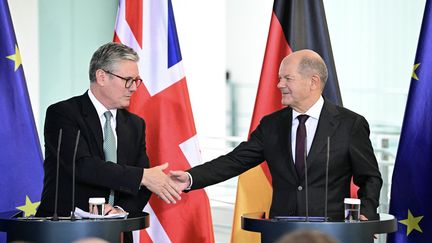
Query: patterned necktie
column 109, row 147
column 300, row 145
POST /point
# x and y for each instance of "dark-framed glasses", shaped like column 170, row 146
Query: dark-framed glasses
column 128, row 81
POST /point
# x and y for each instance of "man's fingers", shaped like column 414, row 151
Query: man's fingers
column 167, row 197
column 363, row 218
column 162, row 196
column 173, row 191
column 179, row 175
column 178, row 188
column 163, row 166
column 167, row 188
column 176, row 173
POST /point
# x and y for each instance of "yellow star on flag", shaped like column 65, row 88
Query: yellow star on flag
column 16, row 57
column 29, row 208
column 412, row 223
column 414, row 75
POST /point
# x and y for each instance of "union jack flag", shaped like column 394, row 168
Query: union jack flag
column 148, row 26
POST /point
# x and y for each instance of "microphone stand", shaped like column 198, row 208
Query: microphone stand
column 55, row 216
column 326, row 179
column 306, row 179
column 73, row 176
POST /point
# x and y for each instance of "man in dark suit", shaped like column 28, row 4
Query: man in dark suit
column 111, row 159
column 311, row 119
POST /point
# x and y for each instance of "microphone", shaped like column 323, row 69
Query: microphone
column 55, row 216
column 326, row 179
column 306, row 179
column 73, row 175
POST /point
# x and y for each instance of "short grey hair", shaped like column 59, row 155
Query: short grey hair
column 106, row 56
column 313, row 65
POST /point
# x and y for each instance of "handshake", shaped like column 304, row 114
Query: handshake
column 167, row 187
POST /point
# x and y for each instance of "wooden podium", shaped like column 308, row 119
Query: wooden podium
column 47, row 231
column 354, row 232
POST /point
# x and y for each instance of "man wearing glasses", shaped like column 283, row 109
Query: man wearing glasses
column 111, row 159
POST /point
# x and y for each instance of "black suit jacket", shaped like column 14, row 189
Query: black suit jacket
column 94, row 176
column 351, row 154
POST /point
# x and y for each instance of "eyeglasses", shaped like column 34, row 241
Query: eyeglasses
column 129, row 81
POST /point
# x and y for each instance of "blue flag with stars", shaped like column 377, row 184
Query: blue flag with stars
column 21, row 168
column 411, row 194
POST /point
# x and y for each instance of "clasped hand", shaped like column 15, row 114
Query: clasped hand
column 166, row 187
column 161, row 184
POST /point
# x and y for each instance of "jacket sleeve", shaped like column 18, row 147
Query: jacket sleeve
column 366, row 173
column 244, row 157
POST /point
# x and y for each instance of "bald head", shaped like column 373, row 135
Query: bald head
column 308, row 63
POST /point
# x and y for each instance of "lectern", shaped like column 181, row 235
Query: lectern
column 354, row 232
column 42, row 230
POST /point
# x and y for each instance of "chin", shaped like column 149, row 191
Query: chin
column 285, row 102
column 125, row 104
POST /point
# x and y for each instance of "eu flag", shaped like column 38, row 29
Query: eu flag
column 411, row 196
column 21, row 171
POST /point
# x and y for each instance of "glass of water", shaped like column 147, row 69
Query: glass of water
column 96, row 205
column 352, row 209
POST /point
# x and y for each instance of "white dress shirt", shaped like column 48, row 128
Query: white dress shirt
column 100, row 109
column 311, row 125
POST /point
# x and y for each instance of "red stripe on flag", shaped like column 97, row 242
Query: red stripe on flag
column 144, row 237
column 116, row 38
column 134, row 17
column 354, row 189
column 268, row 97
column 185, row 221
column 169, row 120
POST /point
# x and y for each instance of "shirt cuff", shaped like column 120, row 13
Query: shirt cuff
column 191, row 181
column 118, row 207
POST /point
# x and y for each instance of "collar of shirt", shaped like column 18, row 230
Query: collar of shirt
column 313, row 112
column 311, row 124
column 100, row 109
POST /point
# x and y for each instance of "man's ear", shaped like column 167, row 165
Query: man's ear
column 101, row 77
column 315, row 82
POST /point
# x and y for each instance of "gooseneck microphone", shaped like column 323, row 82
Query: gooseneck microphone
column 55, row 216
column 326, row 179
column 306, row 179
column 73, row 175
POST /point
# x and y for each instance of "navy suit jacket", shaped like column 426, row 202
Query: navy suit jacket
column 94, row 176
column 351, row 154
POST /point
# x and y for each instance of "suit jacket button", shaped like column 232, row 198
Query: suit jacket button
column 299, row 188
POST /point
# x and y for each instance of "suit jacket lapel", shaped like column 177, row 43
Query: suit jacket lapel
column 122, row 136
column 285, row 142
column 92, row 120
column 327, row 125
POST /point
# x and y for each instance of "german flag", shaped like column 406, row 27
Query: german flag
column 295, row 25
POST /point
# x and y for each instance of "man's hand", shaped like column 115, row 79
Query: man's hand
column 181, row 178
column 160, row 184
column 109, row 209
column 363, row 218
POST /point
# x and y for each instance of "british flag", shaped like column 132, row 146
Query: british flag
column 148, row 26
